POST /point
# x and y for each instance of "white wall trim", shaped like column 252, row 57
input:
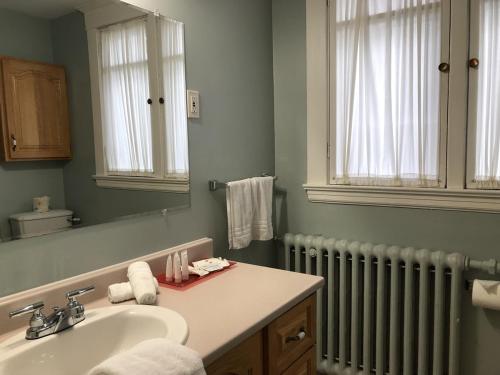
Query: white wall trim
column 317, row 91
column 143, row 183
column 443, row 199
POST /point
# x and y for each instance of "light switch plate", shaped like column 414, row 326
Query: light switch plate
column 193, row 104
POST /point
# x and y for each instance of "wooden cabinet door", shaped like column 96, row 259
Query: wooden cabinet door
column 291, row 335
column 305, row 365
column 245, row 359
column 35, row 112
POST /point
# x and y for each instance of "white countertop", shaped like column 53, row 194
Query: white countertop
column 225, row 310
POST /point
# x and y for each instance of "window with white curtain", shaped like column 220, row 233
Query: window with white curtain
column 126, row 115
column 143, row 120
column 386, row 126
column 484, row 145
column 406, row 93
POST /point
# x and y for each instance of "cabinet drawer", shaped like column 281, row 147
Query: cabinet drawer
column 305, row 365
column 291, row 335
column 245, row 359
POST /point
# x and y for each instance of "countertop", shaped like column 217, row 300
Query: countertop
column 225, row 310
column 221, row 311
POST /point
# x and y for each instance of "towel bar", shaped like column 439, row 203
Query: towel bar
column 214, row 185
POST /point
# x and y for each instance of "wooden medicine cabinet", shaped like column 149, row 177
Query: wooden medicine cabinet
column 33, row 111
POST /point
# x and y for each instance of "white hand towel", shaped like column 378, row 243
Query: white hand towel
column 120, row 292
column 249, row 211
column 153, row 357
column 141, row 279
column 262, row 198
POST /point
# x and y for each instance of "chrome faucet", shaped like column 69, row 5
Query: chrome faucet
column 62, row 318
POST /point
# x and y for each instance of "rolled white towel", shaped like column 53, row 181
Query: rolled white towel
column 141, row 279
column 120, row 292
column 153, row 357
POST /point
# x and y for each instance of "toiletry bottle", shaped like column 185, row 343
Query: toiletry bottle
column 177, row 268
column 184, row 265
column 169, row 270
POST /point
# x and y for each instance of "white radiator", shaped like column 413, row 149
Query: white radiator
column 383, row 309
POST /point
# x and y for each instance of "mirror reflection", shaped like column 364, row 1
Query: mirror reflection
column 93, row 115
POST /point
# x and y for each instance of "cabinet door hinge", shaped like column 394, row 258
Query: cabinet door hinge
column 328, row 150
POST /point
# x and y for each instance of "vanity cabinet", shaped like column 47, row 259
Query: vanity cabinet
column 287, row 346
column 245, row 359
column 33, row 111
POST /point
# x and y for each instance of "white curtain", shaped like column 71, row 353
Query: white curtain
column 387, row 92
column 126, row 116
column 174, row 85
column 487, row 166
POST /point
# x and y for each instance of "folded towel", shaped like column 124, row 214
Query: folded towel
column 249, row 211
column 153, row 357
column 120, row 292
column 142, row 281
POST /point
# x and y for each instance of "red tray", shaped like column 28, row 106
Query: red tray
column 193, row 279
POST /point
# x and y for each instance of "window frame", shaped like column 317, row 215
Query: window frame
column 455, row 194
column 95, row 19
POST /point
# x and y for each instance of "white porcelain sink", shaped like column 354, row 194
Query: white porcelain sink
column 104, row 332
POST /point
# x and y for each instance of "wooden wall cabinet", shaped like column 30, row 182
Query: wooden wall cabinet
column 287, row 346
column 33, row 111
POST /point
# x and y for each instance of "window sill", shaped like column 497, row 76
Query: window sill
column 172, row 185
column 442, row 199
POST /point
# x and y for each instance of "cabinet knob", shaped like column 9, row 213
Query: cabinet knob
column 150, row 101
column 474, row 63
column 14, row 142
column 161, row 100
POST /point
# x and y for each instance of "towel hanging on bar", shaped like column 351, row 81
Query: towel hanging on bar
column 214, row 185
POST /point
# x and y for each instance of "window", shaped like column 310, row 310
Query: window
column 484, row 143
column 141, row 121
column 385, row 127
column 126, row 116
column 387, row 92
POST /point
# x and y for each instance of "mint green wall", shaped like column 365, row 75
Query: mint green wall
column 473, row 234
column 229, row 60
column 28, row 38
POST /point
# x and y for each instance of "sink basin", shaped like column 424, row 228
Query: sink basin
column 104, row 333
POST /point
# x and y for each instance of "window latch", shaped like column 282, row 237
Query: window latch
column 444, row 67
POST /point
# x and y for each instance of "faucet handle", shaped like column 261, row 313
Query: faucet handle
column 71, row 295
column 37, row 319
column 33, row 308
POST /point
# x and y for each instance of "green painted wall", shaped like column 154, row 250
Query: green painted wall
column 26, row 37
column 229, row 60
column 473, row 234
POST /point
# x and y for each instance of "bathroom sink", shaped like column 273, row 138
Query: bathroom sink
column 104, row 333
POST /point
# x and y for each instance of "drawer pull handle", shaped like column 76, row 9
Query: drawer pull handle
column 299, row 337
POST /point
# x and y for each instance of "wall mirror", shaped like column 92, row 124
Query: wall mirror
column 92, row 112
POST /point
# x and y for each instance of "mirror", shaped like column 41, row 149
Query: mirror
column 86, row 183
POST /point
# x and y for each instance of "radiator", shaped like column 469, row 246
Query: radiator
column 383, row 309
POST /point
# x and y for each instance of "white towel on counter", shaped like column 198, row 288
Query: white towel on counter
column 142, row 281
column 249, row 211
column 153, row 357
column 120, row 292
